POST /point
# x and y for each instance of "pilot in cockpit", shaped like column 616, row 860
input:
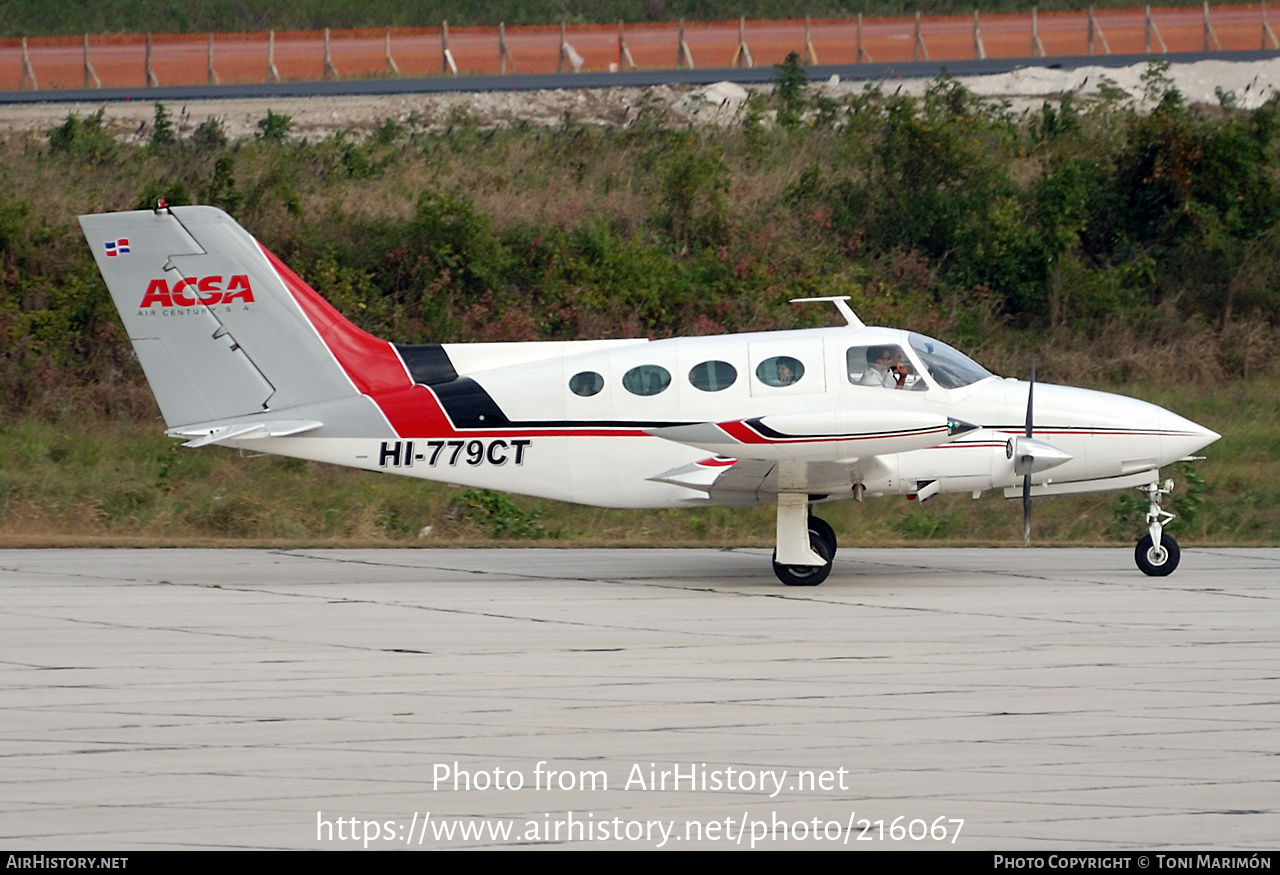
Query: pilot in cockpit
column 885, row 368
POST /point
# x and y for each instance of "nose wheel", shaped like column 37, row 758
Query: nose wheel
column 1157, row 561
column 1157, row 554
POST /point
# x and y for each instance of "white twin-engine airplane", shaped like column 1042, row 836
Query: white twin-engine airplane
column 239, row 351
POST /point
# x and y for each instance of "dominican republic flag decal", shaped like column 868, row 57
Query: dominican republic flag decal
column 117, row 247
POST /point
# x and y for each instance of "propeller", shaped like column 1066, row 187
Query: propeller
column 1030, row 456
column 1026, row 478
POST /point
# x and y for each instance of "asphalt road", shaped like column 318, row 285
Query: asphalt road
column 1048, row 698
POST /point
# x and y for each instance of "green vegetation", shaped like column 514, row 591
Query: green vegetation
column 41, row 18
column 1128, row 252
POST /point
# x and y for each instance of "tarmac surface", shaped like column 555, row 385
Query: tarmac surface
column 1050, row 699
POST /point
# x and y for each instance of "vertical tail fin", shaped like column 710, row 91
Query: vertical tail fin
column 222, row 328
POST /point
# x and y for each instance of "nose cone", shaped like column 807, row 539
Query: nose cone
column 1180, row 437
column 1109, row 435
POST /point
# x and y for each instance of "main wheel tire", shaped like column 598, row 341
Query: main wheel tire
column 806, row 575
column 1157, row 561
column 824, row 531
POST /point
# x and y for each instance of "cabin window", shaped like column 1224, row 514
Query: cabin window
column 713, row 376
column 780, row 370
column 882, row 365
column 646, row 380
column 586, row 384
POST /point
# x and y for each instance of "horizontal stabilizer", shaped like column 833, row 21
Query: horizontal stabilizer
column 211, row 433
column 697, row 475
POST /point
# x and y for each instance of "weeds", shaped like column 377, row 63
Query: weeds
column 498, row 514
column 274, row 127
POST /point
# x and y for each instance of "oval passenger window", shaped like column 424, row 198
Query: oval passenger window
column 586, row 384
column 646, row 380
column 713, row 376
column 780, row 370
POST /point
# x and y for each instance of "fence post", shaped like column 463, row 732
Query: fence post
column 330, row 71
column 504, row 54
column 152, row 81
column 808, row 43
column 91, row 79
column 446, row 56
column 1151, row 30
column 684, row 57
column 1037, row 47
column 1266, row 29
column 742, row 54
column 568, row 53
column 212, row 73
column 1209, row 35
column 273, row 75
column 862, row 53
column 921, row 50
column 393, row 69
column 979, row 50
column 28, row 82
column 625, row 61
column 1095, row 31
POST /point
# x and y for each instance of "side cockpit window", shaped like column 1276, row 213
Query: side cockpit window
column 884, row 366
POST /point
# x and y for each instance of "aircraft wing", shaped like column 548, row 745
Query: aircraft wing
column 841, row 436
column 747, row 481
column 1078, row 487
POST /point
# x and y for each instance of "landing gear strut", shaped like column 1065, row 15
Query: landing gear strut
column 1157, row 554
column 806, row 544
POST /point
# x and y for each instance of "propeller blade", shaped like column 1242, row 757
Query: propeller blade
column 1031, row 388
column 1026, row 478
column 1026, row 509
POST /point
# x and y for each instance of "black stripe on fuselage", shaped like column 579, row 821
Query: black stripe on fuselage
column 427, row 363
column 765, row 431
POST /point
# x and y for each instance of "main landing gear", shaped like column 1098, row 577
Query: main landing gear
column 1157, row 554
column 806, row 544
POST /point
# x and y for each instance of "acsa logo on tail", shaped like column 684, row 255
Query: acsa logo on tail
column 197, row 291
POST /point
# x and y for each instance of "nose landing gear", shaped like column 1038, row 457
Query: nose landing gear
column 1157, row 554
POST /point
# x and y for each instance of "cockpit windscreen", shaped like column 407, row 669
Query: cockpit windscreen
column 949, row 368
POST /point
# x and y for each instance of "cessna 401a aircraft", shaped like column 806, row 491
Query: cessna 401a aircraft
column 239, row 351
